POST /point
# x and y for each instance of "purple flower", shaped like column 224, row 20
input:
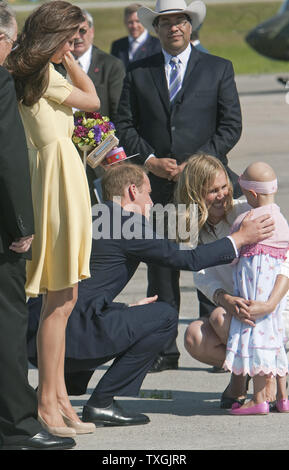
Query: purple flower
column 97, row 133
column 77, row 120
column 84, row 133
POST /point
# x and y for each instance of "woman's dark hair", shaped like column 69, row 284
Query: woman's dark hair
column 44, row 31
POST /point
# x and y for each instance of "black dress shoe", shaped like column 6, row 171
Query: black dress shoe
column 228, row 402
column 217, row 370
column 113, row 415
column 41, row 441
column 165, row 363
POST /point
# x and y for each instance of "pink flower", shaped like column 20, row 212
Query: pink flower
column 81, row 131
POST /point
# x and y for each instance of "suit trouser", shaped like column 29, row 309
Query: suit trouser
column 152, row 327
column 18, row 401
column 165, row 283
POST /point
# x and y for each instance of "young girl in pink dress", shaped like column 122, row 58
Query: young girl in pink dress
column 258, row 349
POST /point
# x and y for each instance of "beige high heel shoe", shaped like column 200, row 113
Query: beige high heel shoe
column 80, row 428
column 60, row 431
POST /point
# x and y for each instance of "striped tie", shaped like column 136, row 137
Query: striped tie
column 175, row 78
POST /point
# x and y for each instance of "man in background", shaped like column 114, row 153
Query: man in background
column 139, row 43
column 195, row 41
column 106, row 72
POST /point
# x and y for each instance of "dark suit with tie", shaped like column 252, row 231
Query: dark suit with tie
column 120, row 49
column 205, row 117
column 107, row 74
column 100, row 329
column 18, row 402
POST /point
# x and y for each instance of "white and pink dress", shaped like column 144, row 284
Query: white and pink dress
column 259, row 349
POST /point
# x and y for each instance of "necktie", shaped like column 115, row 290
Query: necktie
column 175, row 78
column 133, row 47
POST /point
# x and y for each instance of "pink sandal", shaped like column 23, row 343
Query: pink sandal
column 259, row 409
column 282, row 406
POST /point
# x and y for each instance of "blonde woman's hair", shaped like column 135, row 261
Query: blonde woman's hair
column 193, row 185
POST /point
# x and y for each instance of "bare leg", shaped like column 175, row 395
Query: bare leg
column 271, row 388
column 259, row 393
column 282, row 393
column 237, row 387
column 220, row 321
column 203, row 344
column 56, row 309
column 61, row 392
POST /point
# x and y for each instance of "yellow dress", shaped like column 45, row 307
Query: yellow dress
column 61, row 201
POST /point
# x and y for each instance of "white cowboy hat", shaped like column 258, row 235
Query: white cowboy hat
column 196, row 11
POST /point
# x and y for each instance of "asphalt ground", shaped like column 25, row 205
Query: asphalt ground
column 183, row 405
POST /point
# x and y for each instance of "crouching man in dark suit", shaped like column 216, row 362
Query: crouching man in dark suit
column 100, row 329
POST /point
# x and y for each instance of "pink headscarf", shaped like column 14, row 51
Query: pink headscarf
column 260, row 187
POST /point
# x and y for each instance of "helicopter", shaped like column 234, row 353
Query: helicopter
column 271, row 37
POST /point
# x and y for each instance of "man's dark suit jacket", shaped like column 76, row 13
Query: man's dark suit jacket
column 120, row 49
column 205, row 116
column 107, row 73
column 96, row 320
column 16, row 212
column 18, row 401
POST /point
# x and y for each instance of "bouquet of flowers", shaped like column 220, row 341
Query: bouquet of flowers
column 90, row 129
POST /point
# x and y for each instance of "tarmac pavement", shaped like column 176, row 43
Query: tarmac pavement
column 183, row 405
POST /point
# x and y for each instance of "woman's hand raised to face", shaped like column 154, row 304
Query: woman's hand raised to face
column 83, row 95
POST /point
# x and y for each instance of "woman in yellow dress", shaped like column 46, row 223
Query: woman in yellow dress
column 61, row 201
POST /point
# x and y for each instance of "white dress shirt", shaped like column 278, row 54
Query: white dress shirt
column 134, row 44
column 184, row 58
column 183, row 62
column 85, row 59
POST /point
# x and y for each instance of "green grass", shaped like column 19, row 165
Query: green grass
column 223, row 33
column 225, row 29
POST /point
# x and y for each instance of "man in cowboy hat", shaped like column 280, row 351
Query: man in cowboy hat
column 174, row 104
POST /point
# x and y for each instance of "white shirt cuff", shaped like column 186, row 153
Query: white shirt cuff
column 151, row 155
column 234, row 245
